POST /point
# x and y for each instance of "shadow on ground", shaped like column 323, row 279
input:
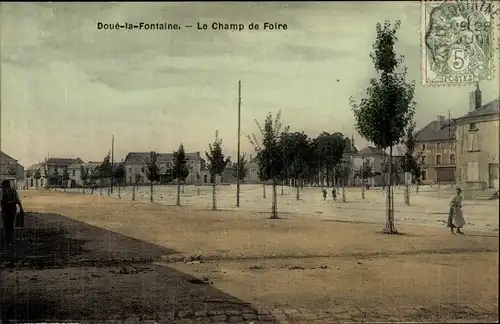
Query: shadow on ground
column 69, row 270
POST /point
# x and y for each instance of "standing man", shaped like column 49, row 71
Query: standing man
column 9, row 199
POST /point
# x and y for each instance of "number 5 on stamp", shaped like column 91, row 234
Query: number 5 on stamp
column 457, row 41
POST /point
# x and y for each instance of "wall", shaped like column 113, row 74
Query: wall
column 432, row 149
column 487, row 153
column 138, row 168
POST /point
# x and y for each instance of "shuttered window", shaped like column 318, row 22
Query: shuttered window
column 472, row 142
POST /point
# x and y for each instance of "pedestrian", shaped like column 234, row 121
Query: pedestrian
column 324, row 193
column 455, row 215
column 334, row 194
column 9, row 200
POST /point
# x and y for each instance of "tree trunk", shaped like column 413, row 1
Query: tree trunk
column 183, row 188
column 214, row 200
column 298, row 191
column 178, row 193
column 119, row 190
column 343, row 191
column 133, row 191
column 264, row 190
column 100, row 187
column 417, row 187
column 151, row 191
column 389, row 223
column 274, row 206
column 282, row 193
column 407, row 194
column 198, row 188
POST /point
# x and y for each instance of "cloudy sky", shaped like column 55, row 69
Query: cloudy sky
column 66, row 87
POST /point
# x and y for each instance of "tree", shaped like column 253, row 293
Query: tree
column 55, row 176
column 198, row 182
column 84, row 176
column 270, row 154
column 65, row 177
column 342, row 171
column 93, row 177
column 411, row 159
column 152, row 171
column 296, row 151
column 216, row 164
column 242, row 166
column 180, row 170
column 45, row 175
column 37, row 175
column 382, row 117
column 106, row 172
column 363, row 172
column 137, row 180
column 120, row 174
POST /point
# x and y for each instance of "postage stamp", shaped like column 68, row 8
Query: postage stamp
column 457, row 42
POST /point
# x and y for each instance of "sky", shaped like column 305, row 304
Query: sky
column 67, row 87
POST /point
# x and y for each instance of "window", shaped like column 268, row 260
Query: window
column 472, row 171
column 73, row 172
column 142, row 169
column 438, row 146
column 423, row 160
column 472, row 126
column 452, row 159
column 424, row 175
column 438, row 159
column 129, row 170
column 423, row 147
column 472, row 142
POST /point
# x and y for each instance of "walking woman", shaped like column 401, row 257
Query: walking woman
column 9, row 199
column 455, row 216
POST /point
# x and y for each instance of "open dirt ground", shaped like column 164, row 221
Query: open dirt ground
column 303, row 268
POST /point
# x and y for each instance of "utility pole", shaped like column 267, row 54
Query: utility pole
column 112, row 160
column 239, row 136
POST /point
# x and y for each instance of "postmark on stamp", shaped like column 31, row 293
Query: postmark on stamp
column 457, row 42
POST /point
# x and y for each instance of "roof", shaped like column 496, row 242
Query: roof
column 4, row 156
column 35, row 167
column 85, row 165
column 64, row 161
column 431, row 133
column 491, row 108
column 141, row 157
column 370, row 150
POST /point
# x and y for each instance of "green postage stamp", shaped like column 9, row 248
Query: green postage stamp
column 457, row 41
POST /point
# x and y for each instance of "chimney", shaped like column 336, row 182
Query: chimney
column 440, row 122
column 250, row 157
column 475, row 98
column 198, row 153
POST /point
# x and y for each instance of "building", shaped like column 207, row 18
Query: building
column 52, row 169
column 136, row 164
column 477, row 144
column 31, row 176
column 10, row 169
column 375, row 158
column 436, row 146
column 253, row 171
column 75, row 172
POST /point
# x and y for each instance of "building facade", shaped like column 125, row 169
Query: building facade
column 136, row 165
column 477, row 136
column 375, row 158
column 51, row 171
column 11, row 170
column 436, row 146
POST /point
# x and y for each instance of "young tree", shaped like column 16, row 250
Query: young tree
column 55, row 176
column 84, row 176
column 364, row 172
column 106, row 172
column 270, row 154
column 37, row 175
column 137, row 180
column 296, row 150
column 411, row 159
column 216, row 164
column 45, row 175
column 93, row 177
column 152, row 171
column 180, row 170
column 242, row 166
column 198, row 182
column 119, row 174
column 384, row 114
column 65, row 177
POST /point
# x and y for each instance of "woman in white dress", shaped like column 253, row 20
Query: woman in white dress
column 456, row 217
